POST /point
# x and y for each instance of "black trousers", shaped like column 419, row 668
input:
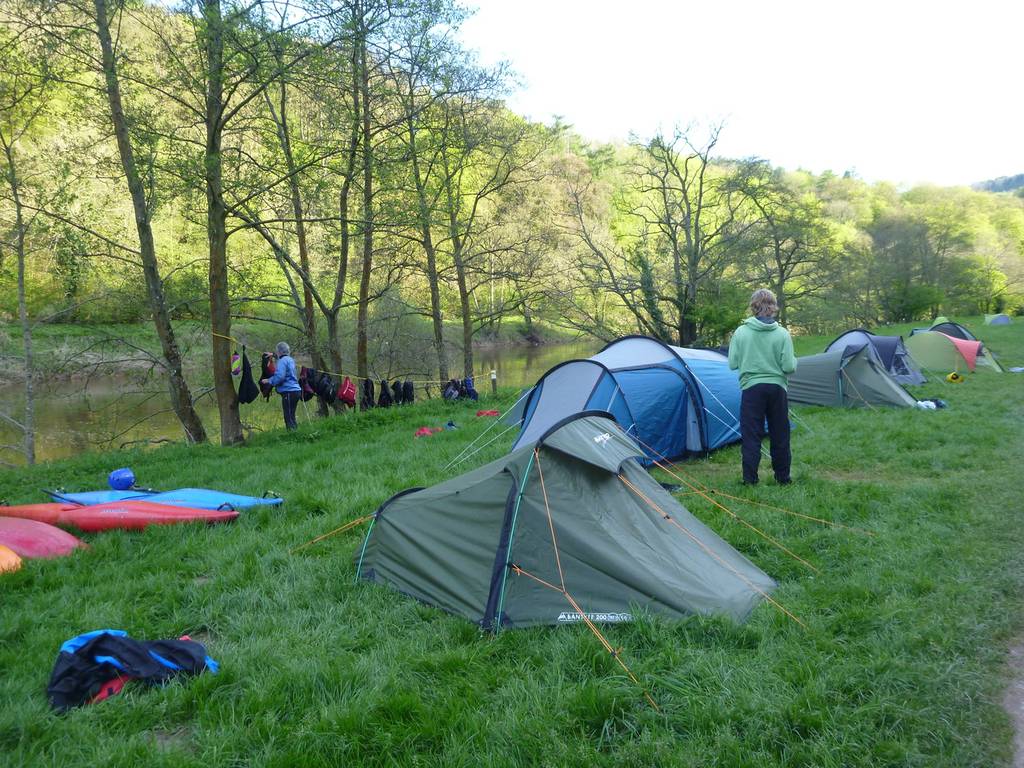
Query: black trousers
column 760, row 402
column 289, row 402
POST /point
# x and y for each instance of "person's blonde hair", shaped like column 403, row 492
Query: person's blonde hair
column 763, row 303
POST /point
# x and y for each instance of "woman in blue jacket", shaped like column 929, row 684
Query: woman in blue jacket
column 286, row 381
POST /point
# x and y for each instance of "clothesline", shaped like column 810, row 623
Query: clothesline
column 343, row 375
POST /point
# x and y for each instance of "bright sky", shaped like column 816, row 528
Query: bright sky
column 902, row 90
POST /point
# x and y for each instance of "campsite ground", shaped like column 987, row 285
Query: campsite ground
column 902, row 659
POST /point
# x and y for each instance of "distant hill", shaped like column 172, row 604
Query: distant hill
column 1002, row 184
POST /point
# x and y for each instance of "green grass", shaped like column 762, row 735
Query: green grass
column 902, row 662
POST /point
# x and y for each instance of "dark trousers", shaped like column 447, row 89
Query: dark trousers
column 289, row 402
column 760, row 402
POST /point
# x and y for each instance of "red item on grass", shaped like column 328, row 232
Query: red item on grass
column 488, row 413
column 426, row 431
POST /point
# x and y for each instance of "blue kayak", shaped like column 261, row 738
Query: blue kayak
column 196, row 498
column 88, row 498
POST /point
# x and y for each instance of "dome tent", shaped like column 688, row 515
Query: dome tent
column 674, row 401
column 849, row 377
column 941, row 353
column 890, row 350
column 573, row 509
column 945, row 325
column 1001, row 319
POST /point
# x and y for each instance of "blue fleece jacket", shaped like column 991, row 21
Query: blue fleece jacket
column 285, row 378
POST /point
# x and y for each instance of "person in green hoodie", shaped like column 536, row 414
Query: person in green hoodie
column 762, row 351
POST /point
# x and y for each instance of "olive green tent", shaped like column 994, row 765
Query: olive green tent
column 569, row 525
column 849, row 377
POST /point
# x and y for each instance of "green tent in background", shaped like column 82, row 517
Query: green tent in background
column 572, row 520
column 941, row 353
column 849, row 377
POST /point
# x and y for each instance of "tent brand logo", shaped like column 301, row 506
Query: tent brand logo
column 602, row 439
column 568, row 617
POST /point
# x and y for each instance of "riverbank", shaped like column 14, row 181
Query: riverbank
column 71, row 352
column 902, row 660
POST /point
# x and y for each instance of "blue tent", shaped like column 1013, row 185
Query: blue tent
column 673, row 401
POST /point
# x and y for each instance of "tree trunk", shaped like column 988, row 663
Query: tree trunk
column 216, row 226
column 28, row 417
column 362, row 363
column 181, row 396
column 467, row 316
column 308, row 311
column 425, row 221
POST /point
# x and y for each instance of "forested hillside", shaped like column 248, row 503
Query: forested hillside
column 1002, row 184
column 340, row 167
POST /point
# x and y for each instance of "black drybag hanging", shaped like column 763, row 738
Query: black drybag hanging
column 325, row 388
column 408, row 394
column 368, row 400
column 247, row 389
column 396, row 392
column 384, row 399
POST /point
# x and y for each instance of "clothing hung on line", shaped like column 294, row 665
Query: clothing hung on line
column 247, row 389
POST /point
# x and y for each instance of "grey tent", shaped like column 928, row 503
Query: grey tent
column 514, row 415
column 571, row 515
column 849, row 377
column 890, row 350
column 948, row 327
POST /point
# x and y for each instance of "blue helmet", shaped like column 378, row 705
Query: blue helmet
column 121, row 479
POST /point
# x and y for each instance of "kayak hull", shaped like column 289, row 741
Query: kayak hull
column 132, row 515
column 44, row 513
column 193, row 498
column 10, row 561
column 31, row 538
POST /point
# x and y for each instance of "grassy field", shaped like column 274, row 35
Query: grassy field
column 901, row 663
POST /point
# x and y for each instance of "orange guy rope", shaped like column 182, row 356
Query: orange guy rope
column 717, row 492
column 703, row 546
column 342, row 529
column 739, row 519
column 791, row 512
column 593, row 628
column 551, row 523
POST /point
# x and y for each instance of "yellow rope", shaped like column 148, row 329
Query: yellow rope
column 708, row 489
column 342, row 529
column 616, row 654
column 706, row 549
column 739, row 519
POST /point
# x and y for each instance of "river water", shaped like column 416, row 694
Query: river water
column 109, row 412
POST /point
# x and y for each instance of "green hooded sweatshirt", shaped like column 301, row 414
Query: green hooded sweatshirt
column 763, row 353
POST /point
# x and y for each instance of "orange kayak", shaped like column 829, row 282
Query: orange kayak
column 136, row 515
column 44, row 513
column 9, row 560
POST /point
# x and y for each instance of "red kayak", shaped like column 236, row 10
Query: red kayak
column 136, row 515
column 44, row 513
column 30, row 538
